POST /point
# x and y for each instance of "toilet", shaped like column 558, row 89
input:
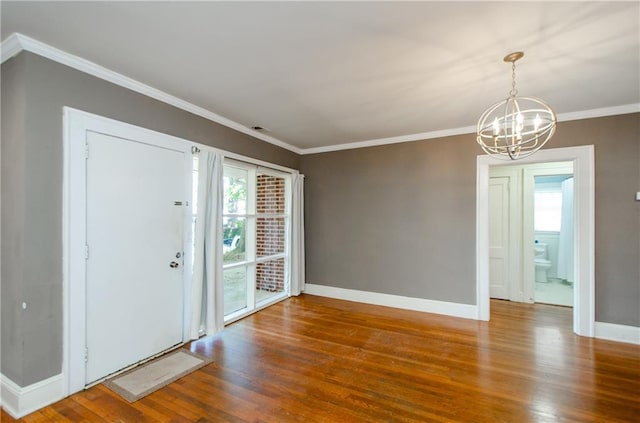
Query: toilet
column 542, row 264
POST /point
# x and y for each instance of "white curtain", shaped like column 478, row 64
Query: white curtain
column 207, row 288
column 296, row 277
column 565, row 242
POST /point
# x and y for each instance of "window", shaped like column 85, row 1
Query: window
column 255, row 228
column 547, row 206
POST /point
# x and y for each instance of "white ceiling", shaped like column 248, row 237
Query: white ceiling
column 319, row 74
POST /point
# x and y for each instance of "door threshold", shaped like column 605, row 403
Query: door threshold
column 133, row 366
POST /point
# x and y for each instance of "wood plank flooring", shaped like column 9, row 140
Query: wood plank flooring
column 313, row 359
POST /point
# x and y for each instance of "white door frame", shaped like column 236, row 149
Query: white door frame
column 584, row 185
column 76, row 124
column 528, row 235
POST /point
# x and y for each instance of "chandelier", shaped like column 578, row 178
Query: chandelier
column 516, row 127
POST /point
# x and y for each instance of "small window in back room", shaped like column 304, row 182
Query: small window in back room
column 547, row 205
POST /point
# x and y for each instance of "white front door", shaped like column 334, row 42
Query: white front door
column 499, row 237
column 134, row 283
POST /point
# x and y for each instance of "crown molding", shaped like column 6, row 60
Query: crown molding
column 16, row 43
column 602, row 112
column 10, row 47
column 391, row 140
column 562, row 117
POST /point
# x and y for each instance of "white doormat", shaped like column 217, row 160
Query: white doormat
column 143, row 380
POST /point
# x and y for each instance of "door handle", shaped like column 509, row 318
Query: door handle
column 174, row 264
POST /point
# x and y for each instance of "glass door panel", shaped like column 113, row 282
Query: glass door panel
column 235, row 289
column 270, row 233
column 235, row 190
column 270, row 279
column 234, row 239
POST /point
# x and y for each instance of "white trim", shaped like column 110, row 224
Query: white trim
column 66, row 251
column 467, row 311
column 619, row 333
column 11, row 46
column 601, row 112
column 19, row 401
column 16, row 42
column 583, row 171
column 391, row 140
column 482, row 242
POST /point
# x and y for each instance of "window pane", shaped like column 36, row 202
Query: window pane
column 235, row 190
column 234, row 237
column 548, row 211
column 235, row 289
column 269, row 236
column 269, row 279
column 269, row 194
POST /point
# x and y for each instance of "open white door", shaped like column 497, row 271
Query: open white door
column 134, row 284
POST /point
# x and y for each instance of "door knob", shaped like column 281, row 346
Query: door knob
column 174, row 264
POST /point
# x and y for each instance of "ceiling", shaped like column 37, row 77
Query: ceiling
column 325, row 75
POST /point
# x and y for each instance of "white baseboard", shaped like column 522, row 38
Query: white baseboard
column 466, row 311
column 19, row 401
column 620, row 333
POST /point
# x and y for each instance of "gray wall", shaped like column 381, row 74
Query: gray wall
column 34, row 91
column 396, row 219
column 400, row 219
column 13, row 217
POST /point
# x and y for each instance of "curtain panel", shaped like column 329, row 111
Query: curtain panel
column 297, row 273
column 207, row 285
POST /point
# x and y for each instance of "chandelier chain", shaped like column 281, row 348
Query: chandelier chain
column 513, row 91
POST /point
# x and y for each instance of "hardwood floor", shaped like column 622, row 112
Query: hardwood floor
column 313, row 359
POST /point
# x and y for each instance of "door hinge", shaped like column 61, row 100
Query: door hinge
column 86, row 252
column 86, row 355
column 86, row 150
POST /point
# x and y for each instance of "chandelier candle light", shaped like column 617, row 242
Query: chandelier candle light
column 516, row 127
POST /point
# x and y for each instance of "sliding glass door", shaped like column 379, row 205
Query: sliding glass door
column 255, row 231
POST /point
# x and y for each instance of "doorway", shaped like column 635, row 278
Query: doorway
column 126, row 211
column 584, row 185
column 531, row 233
column 553, row 239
